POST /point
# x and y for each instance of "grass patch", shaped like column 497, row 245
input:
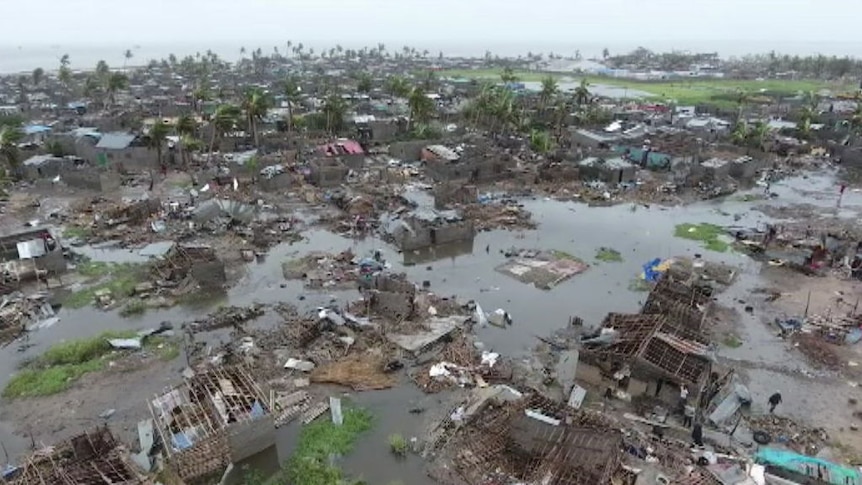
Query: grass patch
column 748, row 197
column 119, row 279
column 77, row 232
column 732, row 341
column 708, row 234
column 133, row 308
column 609, row 255
column 717, row 92
column 398, row 445
column 64, row 363
column 639, row 285
column 564, row 255
column 318, row 442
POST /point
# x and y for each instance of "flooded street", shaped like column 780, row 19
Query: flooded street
column 638, row 233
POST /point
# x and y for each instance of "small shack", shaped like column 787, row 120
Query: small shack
column 608, row 170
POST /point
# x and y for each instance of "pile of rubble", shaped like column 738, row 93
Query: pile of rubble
column 228, row 316
column 498, row 215
column 320, row 270
column 461, row 363
column 805, row 440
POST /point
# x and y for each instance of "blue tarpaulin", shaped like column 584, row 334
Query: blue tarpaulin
column 651, row 273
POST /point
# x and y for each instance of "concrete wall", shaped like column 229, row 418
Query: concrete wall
column 425, row 236
column 446, row 194
column 282, row 182
column 607, row 174
column 408, row 151
column 248, row 439
column 89, row 178
column 476, row 171
column 327, row 172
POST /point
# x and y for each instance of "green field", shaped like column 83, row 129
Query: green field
column 694, row 91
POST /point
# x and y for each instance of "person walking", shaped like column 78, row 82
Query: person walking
column 841, row 190
column 697, row 435
column 774, row 400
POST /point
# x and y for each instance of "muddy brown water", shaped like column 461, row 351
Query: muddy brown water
column 639, row 234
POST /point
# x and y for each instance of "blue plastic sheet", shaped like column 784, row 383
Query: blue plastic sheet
column 832, row 473
column 651, row 275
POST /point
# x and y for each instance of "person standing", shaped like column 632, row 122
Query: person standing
column 683, row 398
column 774, row 400
column 841, row 190
column 697, row 434
column 688, row 416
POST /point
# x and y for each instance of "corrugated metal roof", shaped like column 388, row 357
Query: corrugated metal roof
column 115, row 141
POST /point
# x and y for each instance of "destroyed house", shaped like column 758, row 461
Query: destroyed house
column 641, row 350
column 218, row 416
column 444, row 164
column 197, row 263
column 532, row 439
column 327, row 172
column 348, row 152
column 28, row 254
column 425, row 228
column 608, row 170
column 91, row 458
column 684, row 305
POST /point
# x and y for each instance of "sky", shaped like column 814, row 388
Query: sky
column 414, row 22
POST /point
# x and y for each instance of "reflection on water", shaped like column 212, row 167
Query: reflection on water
column 439, row 252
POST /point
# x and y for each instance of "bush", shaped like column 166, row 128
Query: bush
column 398, row 445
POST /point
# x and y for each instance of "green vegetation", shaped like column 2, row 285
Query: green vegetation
column 719, row 92
column 708, row 234
column 564, row 255
column 63, row 364
column 398, row 445
column 732, row 341
column 119, row 279
column 639, row 285
column 609, row 255
column 76, row 232
column 134, row 307
column 318, row 442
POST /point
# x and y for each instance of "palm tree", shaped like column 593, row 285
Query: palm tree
column 364, row 83
column 742, row 99
column 200, row 95
column 116, row 82
column 189, row 144
column 508, row 76
column 126, row 56
column 605, row 53
column 102, row 70
column 156, row 138
column 757, row 134
column 421, row 106
column 225, row 119
column 186, row 125
column 10, row 137
column 38, row 75
column 549, row 90
column 64, row 60
column 255, row 104
column 292, row 96
column 582, row 93
column 398, row 87
column 334, row 108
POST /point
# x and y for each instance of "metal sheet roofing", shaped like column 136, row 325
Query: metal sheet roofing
column 115, row 141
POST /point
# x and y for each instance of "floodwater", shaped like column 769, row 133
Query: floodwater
column 467, row 270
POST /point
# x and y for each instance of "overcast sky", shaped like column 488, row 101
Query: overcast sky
column 398, row 22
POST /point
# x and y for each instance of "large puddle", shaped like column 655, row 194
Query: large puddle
column 639, row 233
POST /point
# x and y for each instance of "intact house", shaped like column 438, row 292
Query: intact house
column 120, row 150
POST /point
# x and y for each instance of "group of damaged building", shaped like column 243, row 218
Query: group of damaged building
column 511, row 433
column 505, row 431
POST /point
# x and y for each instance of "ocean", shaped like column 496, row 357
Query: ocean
column 25, row 58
